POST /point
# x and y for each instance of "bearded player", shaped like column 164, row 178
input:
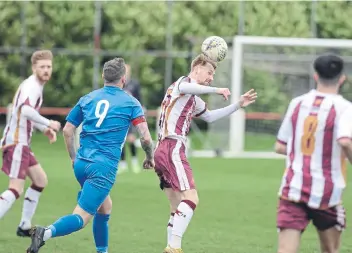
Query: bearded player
column 315, row 136
column 18, row 160
column 181, row 103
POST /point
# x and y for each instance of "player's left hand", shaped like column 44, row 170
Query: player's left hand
column 51, row 134
column 148, row 164
column 248, row 98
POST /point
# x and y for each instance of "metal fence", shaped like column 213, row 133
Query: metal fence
column 168, row 54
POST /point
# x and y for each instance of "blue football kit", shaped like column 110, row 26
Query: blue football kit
column 105, row 115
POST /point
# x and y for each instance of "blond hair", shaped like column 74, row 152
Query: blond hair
column 41, row 55
column 203, row 60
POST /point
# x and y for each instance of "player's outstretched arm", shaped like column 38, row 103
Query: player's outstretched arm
column 146, row 143
column 69, row 137
column 40, row 127
column 197, row 89
column 245, row 100
column 33, row 115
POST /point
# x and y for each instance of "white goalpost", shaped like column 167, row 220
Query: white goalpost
column 279, row 69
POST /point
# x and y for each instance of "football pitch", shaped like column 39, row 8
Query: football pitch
column 236, row 214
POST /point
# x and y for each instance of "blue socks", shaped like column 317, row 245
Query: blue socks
column 66, row 225
column 74, row 222
column 101, row 231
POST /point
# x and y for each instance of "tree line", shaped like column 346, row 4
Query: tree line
column 129, row 26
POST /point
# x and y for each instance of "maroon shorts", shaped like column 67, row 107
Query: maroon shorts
column 172, row 167
column 16, row 160
column 292, row 215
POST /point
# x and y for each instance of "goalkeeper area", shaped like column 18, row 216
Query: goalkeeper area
column 140, row 210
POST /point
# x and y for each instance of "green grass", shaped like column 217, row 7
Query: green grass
column 236, row 214
column 253, row 141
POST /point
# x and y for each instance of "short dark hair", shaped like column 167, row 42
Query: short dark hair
column 329, row 68
column 114, row 70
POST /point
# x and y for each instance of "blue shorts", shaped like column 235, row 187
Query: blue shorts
column 96, row 181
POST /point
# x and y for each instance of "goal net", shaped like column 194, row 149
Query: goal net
column 279, row 69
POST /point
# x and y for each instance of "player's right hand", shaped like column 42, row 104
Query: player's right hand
column 55, row 125
column 51, row 134
column 148, row 164
column 225, row 92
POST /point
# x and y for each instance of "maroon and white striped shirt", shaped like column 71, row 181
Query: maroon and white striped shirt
column 177, row 111
column 315, row 162
column 19, row 129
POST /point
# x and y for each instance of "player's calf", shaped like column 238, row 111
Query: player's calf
column 31, row 199
column 100, row 226
column 30, row 204
column 174, row 198
column 183, row 216
column 67, row 224
column 8, row 197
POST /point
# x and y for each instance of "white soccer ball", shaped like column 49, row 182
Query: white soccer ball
column 215, row 48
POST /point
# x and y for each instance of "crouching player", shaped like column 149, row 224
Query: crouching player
column 106, row 115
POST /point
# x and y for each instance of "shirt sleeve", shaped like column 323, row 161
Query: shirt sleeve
column 195, row 89
column 137, row 114
column 75, row 116
column 201, row 107
column 285, row 131
column 344, row 125
column 30, row 95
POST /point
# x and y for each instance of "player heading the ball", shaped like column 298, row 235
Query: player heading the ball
column 18, row 159
column 315, row 136
column 180, row 104
column 105, row 115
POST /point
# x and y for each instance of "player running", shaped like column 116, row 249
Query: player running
column 315, row 136
column 18, row 160
column 105, row 115
column 179, row 106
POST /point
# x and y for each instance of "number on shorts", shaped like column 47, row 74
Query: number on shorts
column 101, row 116
column 308, row 139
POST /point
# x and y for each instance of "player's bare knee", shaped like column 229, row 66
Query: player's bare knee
column 106, row 207
column 174, row 204
column 41, row 181
column 327, row 247
column 16, row 186
column 286, row 249
column 330, row 250
column 38, row 176
column 191, row 195
column 86, row 217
